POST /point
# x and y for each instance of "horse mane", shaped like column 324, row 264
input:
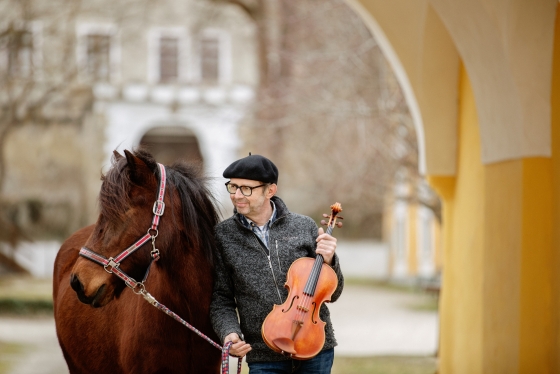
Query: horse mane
column 199, row 212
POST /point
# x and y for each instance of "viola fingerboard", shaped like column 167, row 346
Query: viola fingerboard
column 313, row 279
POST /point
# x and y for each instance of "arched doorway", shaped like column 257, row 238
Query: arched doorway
column 170, row 143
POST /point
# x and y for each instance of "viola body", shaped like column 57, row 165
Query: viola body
column 294, row 328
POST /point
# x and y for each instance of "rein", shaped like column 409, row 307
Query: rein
column 111, row 265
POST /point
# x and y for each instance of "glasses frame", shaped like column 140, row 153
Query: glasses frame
column 239, row 188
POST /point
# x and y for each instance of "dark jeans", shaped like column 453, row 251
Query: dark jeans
column 320, row 364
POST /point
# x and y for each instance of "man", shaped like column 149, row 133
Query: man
column 255, row 248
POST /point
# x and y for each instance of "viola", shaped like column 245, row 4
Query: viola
column 294, row 328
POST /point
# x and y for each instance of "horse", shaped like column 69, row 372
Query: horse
column 102, row 325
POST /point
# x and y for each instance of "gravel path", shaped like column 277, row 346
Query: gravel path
column 378, row 321
column 40, row 353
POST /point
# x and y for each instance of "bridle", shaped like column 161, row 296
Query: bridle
column 112, row 266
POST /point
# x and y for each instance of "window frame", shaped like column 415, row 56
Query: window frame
column 83, row 30
column 224, row 55
column 35, row 28
column 155, row 35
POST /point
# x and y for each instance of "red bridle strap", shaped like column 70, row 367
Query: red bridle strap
column 159, row 205
column 111, row 264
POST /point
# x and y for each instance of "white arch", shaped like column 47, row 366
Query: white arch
column 401, row 75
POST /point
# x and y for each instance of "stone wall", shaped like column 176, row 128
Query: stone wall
column 53, row 177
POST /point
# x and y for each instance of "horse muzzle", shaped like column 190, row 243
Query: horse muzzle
column 96, row 300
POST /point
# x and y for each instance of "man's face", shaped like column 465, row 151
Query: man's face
column 250, row 205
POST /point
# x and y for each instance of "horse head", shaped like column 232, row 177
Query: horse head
column 128, row 192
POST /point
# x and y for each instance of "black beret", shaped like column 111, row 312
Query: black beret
column 254, row 167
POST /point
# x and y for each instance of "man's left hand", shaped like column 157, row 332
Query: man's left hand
column 326, row 245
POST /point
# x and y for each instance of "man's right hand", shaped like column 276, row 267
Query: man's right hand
column 239, row 348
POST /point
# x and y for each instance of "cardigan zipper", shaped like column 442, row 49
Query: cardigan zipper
column 274, row 277
column 261, row 245
column 269, row 265
column 278, row 256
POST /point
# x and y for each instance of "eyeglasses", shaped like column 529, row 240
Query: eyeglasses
column 245, row 190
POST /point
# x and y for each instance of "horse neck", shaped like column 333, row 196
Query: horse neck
column 180, row 277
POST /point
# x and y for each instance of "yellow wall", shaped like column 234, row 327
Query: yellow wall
column 497, row 310
column 537, row 271
column 501, row 250
column 463, row 219
column 555, row 262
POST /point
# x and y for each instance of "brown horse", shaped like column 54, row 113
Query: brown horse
column 102, row 325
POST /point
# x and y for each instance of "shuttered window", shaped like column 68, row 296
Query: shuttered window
column 210, row 59
column 98, row 57
column 168, row 60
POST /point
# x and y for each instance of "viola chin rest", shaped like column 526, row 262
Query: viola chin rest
column 285, row 345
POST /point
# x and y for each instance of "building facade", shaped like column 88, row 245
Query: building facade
column 175, row 76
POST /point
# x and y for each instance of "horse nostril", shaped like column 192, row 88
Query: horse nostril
column 76, row 284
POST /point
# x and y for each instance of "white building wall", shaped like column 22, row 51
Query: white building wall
column 425, row 242
column 399, row 240
column 214, row 126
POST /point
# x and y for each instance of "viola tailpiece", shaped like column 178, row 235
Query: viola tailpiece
column 294, row 328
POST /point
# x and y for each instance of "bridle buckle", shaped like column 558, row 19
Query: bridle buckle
column 111, row 264
column 159, row 208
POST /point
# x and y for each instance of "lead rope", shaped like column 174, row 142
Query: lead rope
column 225, row 349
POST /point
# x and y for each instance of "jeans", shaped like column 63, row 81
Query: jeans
column 320, row 364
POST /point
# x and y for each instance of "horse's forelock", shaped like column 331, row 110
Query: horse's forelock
column 113, row 197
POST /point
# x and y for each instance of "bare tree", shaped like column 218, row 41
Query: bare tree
column 329, row 111
column 35, row 86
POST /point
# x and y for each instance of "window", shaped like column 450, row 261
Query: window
column 98, row 56
column 16, row 48
column 167, row 55
column 168, row 59
column 210, row 59
column 98, row 52
column 174, row 57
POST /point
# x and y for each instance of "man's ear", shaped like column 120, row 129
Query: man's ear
column 271, row 190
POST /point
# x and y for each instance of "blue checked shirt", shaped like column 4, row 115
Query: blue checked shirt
column 261, row 232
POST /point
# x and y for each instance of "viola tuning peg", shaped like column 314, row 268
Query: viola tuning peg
column 326, row 215
column 339, row 224
column 339, row 217
column 323, row 222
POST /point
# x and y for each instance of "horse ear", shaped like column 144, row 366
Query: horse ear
column 134, row 166
column 117, row 155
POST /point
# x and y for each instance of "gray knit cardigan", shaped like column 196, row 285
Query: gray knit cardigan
column 248, row 283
